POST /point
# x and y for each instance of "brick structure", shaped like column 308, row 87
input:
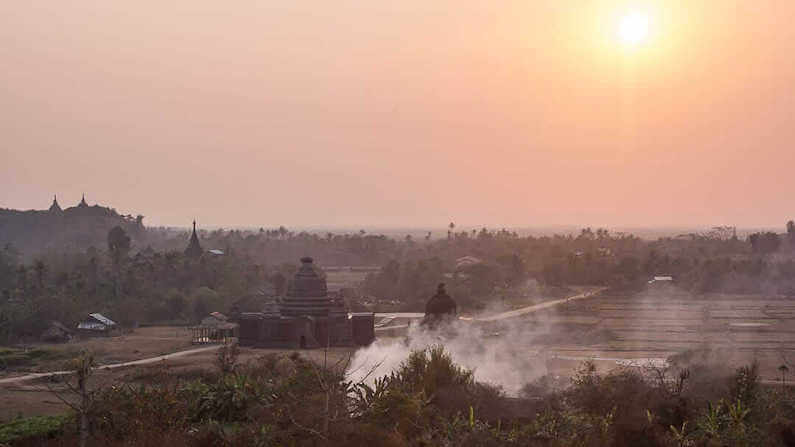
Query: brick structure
column 306, row 318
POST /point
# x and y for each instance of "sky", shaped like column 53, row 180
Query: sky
column 410, row 113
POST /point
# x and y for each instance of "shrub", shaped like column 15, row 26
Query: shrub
column 32, row 427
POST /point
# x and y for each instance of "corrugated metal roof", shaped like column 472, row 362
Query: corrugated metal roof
column 467, row 261
column 103, row 319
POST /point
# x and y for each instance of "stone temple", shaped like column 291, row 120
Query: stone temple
column 440, row 308
column 306, row 318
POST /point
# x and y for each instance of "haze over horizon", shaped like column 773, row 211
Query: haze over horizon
column 360, row 113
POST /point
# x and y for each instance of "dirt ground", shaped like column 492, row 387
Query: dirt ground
column 41, row 396
column 141, row 343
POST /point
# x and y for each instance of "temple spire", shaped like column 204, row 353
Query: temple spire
column 83, row 203
column 55, row 208
column 194, row 248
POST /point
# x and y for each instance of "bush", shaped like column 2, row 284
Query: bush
column 32, row 427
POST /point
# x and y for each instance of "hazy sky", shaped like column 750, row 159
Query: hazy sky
column 408, row 112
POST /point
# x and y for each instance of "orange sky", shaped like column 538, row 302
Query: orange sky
column 401, row 113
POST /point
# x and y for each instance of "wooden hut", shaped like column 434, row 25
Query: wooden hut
column 56, row 333
column 215, row 328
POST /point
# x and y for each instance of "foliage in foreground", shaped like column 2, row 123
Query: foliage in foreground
column 281, row 400
column 32, row 427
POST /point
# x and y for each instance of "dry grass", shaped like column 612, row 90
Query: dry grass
column 141, row 343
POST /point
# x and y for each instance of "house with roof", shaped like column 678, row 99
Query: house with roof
column 97, row 324
column 662, row 279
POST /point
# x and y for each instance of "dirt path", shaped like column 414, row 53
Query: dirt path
column 111, row 366
column 501, row 316
column 540, row 306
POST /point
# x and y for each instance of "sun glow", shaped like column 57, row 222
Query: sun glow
column 633, row 28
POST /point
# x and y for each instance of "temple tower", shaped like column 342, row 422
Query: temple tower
column 307, row 295
column 83, row 203
column 55, row 208
column 194, row 248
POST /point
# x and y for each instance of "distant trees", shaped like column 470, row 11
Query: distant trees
column 764, row 243
column 9, row 259
column 514, row 268
column 410, row 281
column 158, row 283
column 118, row 249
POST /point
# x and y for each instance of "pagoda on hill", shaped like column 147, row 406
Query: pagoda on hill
column 194, row 248
column 55, row 208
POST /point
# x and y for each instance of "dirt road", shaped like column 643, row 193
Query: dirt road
column 501, row 316
column 111, row 366
column 540, row 306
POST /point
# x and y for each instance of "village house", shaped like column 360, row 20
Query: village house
column 97, row 324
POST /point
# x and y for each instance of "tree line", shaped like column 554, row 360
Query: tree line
column 130, row 280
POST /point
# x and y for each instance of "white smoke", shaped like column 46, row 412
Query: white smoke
column 499, row 355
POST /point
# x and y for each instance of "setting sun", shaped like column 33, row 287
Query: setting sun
column 633, row 28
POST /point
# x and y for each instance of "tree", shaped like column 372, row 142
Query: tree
column 514, row 268
column 22, row 277
column 82, row 367
column 176, row 305
column 8, row 261
column 764, row 243
column 41, row 270
column 205, row 300
column 118, row 248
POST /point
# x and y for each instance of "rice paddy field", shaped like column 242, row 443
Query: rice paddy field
column 611, row 328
